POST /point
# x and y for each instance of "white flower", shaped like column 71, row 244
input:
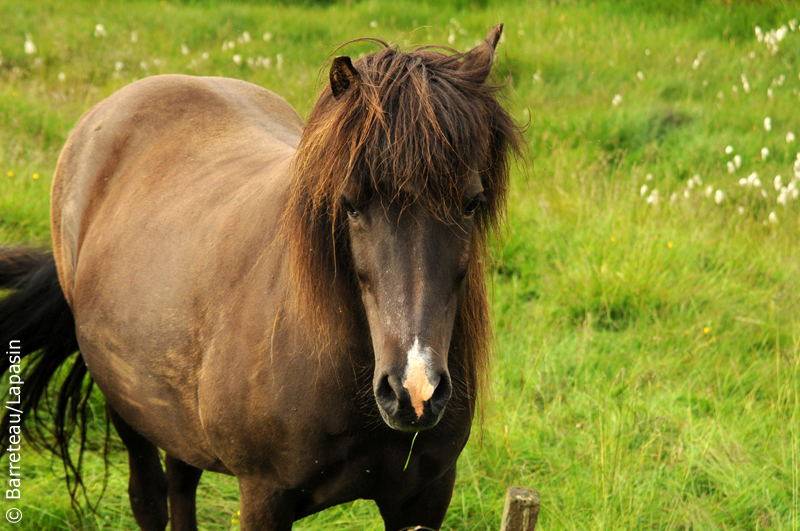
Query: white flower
column 759, row 34
column 62, row 76
column 246, row 36
column 118, row 66
column 763, row 193
column 789, row 137
column 617, row 100
column 740, row 210
column 731, row 167
column 752, row 178
column 652, row 199
column 777, row 182
column 643, row 190
column 686, row 194
column 100, row 31
column 743, row 181
column 729, row 150
column 184, row 49
column 697, row 180
column 640, row 75
column 709, row 190
column 673, row 197
column 783, row 197
column 279, row 61
column 30, row 48
column 769, row 93
column 134, row 36
column 237, row 59
column 737, row 160
column 143, row 65
column 267, row 37
column 745, row 83
column 757, row 184
column 647, row 51
column 451, row 38
column 205, row 55
column 649, row 177
column 768, row 124
column 773, row 218
column 373, row 24
column 690, row 184
column 764, row 153
column 719, row 196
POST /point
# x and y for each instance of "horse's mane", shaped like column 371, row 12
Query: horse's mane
column 424, row 121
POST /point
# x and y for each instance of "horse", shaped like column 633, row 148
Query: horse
column 293, row 304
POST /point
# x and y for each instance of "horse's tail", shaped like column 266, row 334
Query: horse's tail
column 37, row 337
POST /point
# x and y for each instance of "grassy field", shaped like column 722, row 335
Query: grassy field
column 647, row 292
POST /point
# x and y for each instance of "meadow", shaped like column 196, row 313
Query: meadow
column 647, row 287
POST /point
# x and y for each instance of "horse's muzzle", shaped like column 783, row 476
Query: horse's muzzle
column 410, row 406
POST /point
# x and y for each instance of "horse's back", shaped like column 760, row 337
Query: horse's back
column 166, row 198
column 165, row 133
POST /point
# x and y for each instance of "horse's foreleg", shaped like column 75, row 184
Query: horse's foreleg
column 147, row 486
column 183, row 479
column 426, row 508
column 263, row 507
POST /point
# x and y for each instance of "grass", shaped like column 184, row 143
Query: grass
column 647, row 355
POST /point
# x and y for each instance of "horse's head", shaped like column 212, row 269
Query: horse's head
column 408, row 157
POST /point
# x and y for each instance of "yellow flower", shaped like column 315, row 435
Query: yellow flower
column 35, row 175
column 613, row 239
column 669, row 245
column 10, row 174
column 706, row 330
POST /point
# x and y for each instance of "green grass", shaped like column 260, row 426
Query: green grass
column 647, row 355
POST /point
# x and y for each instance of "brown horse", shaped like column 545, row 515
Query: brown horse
column 285, row 303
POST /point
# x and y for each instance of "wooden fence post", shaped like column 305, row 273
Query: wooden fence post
column 521, row 511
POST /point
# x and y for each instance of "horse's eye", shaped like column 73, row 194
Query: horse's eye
column 350, row 209
column 473, row 205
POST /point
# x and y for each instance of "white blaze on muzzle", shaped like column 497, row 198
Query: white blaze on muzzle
column 416, row 380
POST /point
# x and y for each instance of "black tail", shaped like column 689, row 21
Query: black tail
column 37, row 336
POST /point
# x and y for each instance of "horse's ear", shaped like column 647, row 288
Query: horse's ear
column 343, row 76
column 481, row 57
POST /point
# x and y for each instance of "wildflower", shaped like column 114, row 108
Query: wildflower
column 673, row 197
column 237, row 59
column 118, row 66
column 642, row 190
column 745, row 83
column 752, row 178
column 184, row 49
column 617, row 100
column 100, row 31
column 740, row 210
column 768, row 124
column 729, row 150
column 759, row 34
column 647, row 51
column 737, row 160
column 709, row 190
column 246, row 36
column 743, row 182
column 640, row 75
column 451, row 38
column 134, row 36
column 719, row 196
column 764, row 193
column 773, row 218
column 649, row 177
column 35, row 175
column 537, row 76
column 669, row 245
column 373, row 24
column 690, row 184
column 10, row 173
column 777, row 182
column 30, row 48
column 205, row 55
column 783, row 197
column 769, row 93
column 706, row 330
column 62, row 76
column 652, row 199
column 267, row 37
column 143, row 65
column 764, row 153
column 279, row 61
column 686, row 194
column 731, row 167
column 697, row 180
column 789, row 137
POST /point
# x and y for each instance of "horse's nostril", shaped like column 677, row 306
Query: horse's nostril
column 386, row 395
column 441, row 395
